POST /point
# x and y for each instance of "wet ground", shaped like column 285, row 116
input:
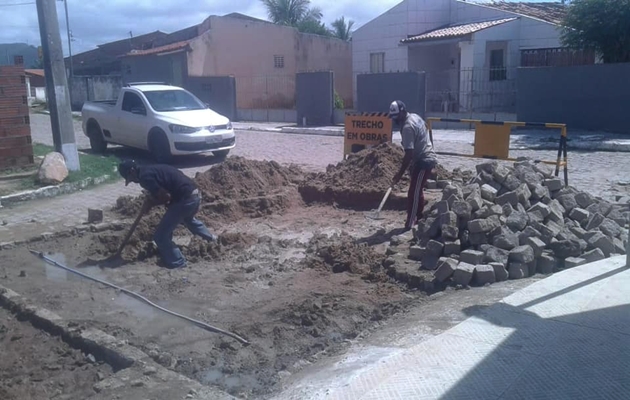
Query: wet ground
column 35, row 365
column 265, row 282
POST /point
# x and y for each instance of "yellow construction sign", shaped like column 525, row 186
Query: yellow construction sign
column 365, row 130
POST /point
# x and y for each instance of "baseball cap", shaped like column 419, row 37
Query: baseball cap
column 396, row 107
column 124, row 169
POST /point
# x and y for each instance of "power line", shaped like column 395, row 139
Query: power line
column 16, row 4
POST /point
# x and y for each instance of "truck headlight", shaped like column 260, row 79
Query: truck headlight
column 229, row 125
column 182, row 129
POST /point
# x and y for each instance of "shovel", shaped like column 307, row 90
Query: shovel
column 116, row 260
column 376, row 214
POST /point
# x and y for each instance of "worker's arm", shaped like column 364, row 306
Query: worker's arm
column 404, row 166
column 158, row 198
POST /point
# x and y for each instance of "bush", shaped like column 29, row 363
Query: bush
column 338, row 102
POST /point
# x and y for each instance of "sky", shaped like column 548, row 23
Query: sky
column 94, row 22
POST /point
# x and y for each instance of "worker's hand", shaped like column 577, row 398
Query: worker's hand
column 146, row 205
column 396, row 179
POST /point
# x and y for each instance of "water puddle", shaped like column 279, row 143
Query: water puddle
column 230, row 381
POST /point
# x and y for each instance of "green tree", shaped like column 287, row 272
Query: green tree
column 298, row 14
column 600, row 25
column 342, row 29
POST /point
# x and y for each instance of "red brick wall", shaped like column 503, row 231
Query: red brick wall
column 16, row 148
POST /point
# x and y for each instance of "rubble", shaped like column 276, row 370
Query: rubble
column 516, row 221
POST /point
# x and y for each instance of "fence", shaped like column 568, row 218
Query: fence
column 265, row 92
column 93, row 88
column 479, row 90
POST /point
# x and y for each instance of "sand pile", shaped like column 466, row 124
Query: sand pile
column 239, row 178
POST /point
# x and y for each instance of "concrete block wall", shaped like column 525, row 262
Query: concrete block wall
column 590, row 97
column 93, row 88
column 375, row 92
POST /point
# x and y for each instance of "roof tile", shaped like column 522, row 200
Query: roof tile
column 455, row 31
column 162, row 49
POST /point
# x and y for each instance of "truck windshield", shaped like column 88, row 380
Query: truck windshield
column 173, row 100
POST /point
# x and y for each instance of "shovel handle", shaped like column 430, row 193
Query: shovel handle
column 131, row 230
column 380, row 207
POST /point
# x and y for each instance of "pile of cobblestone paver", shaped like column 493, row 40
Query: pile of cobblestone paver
column 514, row 222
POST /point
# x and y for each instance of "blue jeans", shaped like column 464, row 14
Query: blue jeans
column 181, row 212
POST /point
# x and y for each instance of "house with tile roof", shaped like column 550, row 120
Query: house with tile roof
column 469, row 51
column 262, row 57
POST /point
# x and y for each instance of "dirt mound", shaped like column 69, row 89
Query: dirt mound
column 239, row 178
column 341, row 253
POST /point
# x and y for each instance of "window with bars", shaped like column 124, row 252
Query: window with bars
column 278, row 61
column 377, row 63
column 498, row 72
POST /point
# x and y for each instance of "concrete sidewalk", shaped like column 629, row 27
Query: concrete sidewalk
column 563, row 337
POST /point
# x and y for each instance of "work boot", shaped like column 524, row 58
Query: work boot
column 162, row 264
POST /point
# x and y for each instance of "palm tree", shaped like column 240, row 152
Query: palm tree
column 287, row 12
column 298, row 14
column 342, row 29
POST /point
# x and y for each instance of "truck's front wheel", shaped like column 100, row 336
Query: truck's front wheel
column 97, row 142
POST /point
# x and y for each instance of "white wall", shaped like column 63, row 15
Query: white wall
column 464, row 13
column 384, row 33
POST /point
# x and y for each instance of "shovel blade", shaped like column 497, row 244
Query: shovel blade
column 375, row 215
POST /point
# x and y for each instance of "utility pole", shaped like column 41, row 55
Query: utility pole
column 65, row 4
column 57, row 84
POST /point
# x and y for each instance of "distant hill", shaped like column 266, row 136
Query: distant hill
column 8, row 50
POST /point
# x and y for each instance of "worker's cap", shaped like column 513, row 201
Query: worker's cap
column 124, row 169
column 396, row 108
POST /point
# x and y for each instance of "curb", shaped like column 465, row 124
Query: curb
column 104, row 347
column 313, row 131
column 52, row 191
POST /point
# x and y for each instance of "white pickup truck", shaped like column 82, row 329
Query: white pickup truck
column 165, row 120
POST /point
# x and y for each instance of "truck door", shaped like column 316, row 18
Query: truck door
column 133, row 122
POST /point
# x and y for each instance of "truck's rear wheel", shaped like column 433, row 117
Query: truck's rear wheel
column 160, row 147
column 97, row 141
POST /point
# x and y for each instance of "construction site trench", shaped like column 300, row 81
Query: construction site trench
column 299, row 271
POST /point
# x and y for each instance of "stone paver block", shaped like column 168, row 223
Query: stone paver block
column 429, row 261
column 500, row 173
column 578, row 231
column 511, row 182
column 510, row 198
column 553, row 227
column 488, row 192
column 579, row 214
column 517, row 221
column 451, row 248
column 441, row 207
column 449, row 218
column 518, row 271
column 602, row 242
column 539, row 192
column 524, row 195
column 500, row 272
column 451, row 190
column 475, row 200
column 556, row 211
column 477, row 239
column 566, row 248
column 488, row 167
column 522, row 254
column 584, row 200
column 528, row 232
column 594, row 221
column 497, row 255
column 536, row 244
column 541, row 208
column 507, row 209
column 434, row 248
column 620, row 247
column 601, row 207
column 462, row 209
column 446, row 268
column 546, row 264
column 484, row 274
column 449, row 232
column 568, row 201
column 473, row 257
column 431, row 184
column 506, row 241
column 553, row 184
column 463, row 274
column 610, row 228
column 593, row 255
column 416, row 252
column 572, row 262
